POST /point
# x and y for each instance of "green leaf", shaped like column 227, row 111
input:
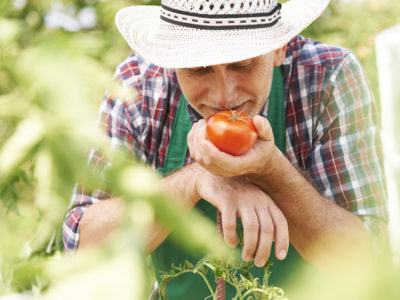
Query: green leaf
column 247, row 274
column 211, row 265
column 9, row 197
column 16, row 149
column 29, row 273
column 200, row 267
column 246, row 282
column 188, row 264
column 220, row 273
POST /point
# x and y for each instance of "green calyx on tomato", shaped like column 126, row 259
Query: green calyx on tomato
column 231, row 131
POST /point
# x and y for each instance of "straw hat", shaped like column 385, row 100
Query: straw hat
column 194, row 33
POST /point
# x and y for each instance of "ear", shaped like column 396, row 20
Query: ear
column 280, row 56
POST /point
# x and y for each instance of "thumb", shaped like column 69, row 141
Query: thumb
column 264, row 129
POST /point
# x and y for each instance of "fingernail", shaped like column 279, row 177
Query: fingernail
column 233, row 245
column 246, row 258
column 282, row 254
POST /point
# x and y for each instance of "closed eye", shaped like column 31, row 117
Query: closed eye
column 242, row 65
column 199, row 70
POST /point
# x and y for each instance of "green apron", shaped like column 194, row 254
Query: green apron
column 192, row 286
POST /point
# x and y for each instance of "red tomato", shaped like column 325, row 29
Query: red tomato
column 231, row 131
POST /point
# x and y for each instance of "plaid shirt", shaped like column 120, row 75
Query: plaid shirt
column 332, row 132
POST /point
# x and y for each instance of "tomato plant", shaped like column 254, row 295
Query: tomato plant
column 231, row 131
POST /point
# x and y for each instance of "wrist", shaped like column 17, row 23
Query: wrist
column 182, row 185
column 272, row 164
column 272, row 169
column 198, row 178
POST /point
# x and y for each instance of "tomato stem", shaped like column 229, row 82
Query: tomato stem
column 236, row 115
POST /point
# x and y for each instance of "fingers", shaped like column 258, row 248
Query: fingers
column 250, row 233
column 281, row 232
column 229, row 226
column 265, row 237
column 211, row 158
column 193, row 139
column 261, row 219
column 260, row 229
column 216, row 161
column 263, row 128
column 206, row 154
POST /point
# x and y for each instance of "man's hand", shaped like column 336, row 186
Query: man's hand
column 262, row 220
column 258, row 160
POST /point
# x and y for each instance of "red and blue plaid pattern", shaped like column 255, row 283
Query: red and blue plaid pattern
column 332, row 127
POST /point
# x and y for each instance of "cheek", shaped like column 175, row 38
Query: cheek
column 190, row 87
column 265, row 75
column 259, row 85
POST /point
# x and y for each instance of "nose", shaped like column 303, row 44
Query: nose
column 222, row 89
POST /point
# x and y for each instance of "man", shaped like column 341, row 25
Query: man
column 315, row 173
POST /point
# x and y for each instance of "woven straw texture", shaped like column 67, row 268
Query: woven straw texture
column 175, row 46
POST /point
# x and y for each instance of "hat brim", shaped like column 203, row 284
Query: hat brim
column 158, row 41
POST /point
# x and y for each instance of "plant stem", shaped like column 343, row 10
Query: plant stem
column 202, row 276
column 207, row 283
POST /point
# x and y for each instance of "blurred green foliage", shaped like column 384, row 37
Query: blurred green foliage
column 51, row 83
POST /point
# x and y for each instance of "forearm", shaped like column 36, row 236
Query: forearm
column 99, row 221
column 103, row 218
column 180, row 187
column 319, row 229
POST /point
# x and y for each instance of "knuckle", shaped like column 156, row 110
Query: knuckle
column 193, row 156
column 267, row 228
column 224, row 197
column 222, row 203
column 206, row 162
column 251, row 225
column 282, row 223
column 280, row 219
column 229, row 226
column 200, row 159
column 190, row 135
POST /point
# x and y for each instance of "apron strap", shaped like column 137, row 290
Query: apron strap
column 276, row 110
column 175, row 159
column 177, row 146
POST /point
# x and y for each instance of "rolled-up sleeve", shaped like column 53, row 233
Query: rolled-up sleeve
column 115, row 121
column 80, row 201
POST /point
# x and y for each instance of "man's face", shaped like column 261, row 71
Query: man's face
column 243, row 85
